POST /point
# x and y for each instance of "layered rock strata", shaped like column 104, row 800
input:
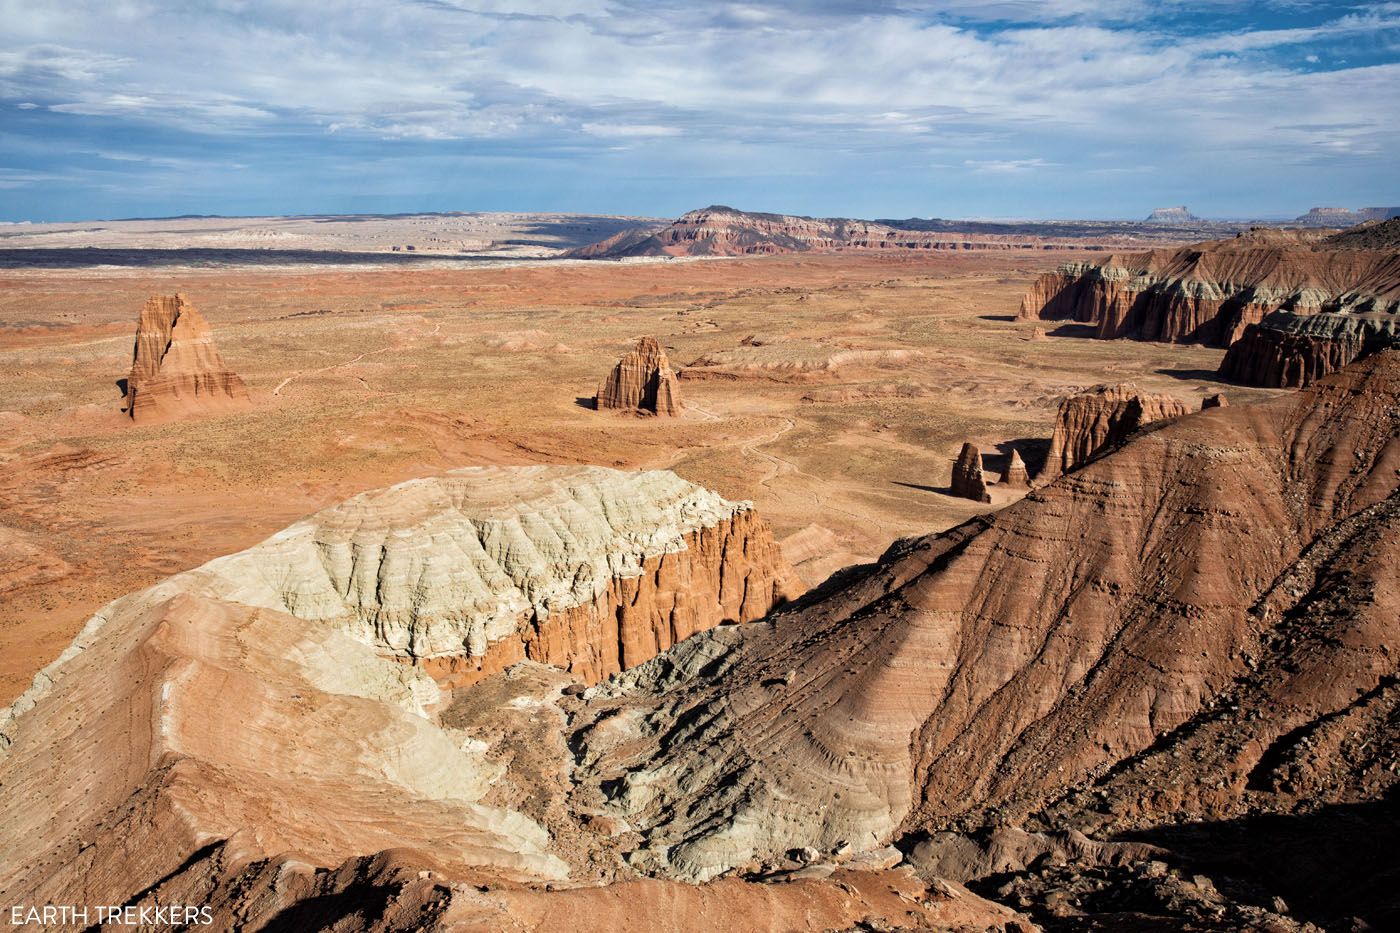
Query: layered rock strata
column 968, row 480
column 1094, row 421
column 1172, row 215
column 1194, row 626
column 641, row 381
column 1191, row 631
column 1015, row 476
column 1288, row 350
column 239, row 703
column 588, row 569
column 1211, row 292
column 1345, row 216
column 176, row 370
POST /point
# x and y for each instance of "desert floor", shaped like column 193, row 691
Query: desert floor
column 834, row 391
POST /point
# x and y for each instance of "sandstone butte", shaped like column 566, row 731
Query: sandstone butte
column 1183, row 643
column 968, row 481
column 1101, row 418
column 175, row 368
column 641, row 381
column 1252, row 293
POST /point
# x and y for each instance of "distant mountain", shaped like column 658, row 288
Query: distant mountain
column 726, row 231
column 1345, row 216
column 1172, row 215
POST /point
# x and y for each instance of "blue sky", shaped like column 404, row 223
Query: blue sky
column 950, row 108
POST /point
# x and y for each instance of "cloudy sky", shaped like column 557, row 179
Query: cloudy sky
column 887, row 108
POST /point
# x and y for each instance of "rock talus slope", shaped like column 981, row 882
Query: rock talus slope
column 238, row 736
column 176, row 370
column 1091, row 422
column 641, row 381
column 1189, row 630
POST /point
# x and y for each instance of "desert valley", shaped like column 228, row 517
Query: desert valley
column 741, row 571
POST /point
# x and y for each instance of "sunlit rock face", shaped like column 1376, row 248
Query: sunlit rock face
column 176, row 369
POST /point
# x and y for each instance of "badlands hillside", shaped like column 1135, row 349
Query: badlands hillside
column 802, row 590
column 1195, row 628
column 1291, row 306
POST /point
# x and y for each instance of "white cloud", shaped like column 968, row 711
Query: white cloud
column 613, row 130
column 776, row 82
column 1005, row 166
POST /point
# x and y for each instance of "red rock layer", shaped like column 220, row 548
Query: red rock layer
column 968, row 480
column 1103, row 417
column 642, row 381
column 1289, row 351
column 730, row 572
column 1210, row 292
column 1015, row 475
column 176, row 369
column 1249, row 545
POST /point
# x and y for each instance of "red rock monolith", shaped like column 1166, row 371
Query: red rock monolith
column 968, row 481
column 641, row 381
column 1015, row 475
column 176, row 370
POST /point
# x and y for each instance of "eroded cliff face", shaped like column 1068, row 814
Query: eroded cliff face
column 1288, row 350
column 176, row 369
column 216, row 719
column 589, row 569
column 1103, row 417
column 729, row 571
column 1211, row 292
column 641, row 381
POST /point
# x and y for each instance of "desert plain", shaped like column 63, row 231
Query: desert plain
column 832, row 390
